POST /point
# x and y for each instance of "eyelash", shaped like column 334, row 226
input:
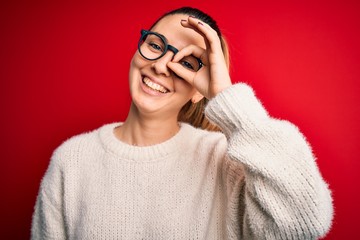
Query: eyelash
column 184, row 63
column 187, row 65
column 155, row 46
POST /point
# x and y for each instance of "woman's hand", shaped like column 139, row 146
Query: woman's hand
column 214, row 76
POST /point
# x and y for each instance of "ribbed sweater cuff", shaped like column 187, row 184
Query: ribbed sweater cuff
column 235, row 108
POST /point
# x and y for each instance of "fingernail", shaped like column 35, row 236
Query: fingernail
column 191, row 16
column 200, row 23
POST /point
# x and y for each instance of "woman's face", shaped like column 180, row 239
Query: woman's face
column 153, row 86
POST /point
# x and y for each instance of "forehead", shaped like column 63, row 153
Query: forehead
column 176, row 34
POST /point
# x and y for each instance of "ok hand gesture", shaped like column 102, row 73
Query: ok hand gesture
column 214, row 76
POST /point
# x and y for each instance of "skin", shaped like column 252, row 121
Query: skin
column 153, row 115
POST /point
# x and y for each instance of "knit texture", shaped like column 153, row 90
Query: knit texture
column 258, row 180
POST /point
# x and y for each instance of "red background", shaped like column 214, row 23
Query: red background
column 64, row 66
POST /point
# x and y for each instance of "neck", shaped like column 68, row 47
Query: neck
column 146, row 129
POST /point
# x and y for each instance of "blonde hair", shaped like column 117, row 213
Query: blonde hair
column 193, row 113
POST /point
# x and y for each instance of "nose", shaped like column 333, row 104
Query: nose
column 160, row 65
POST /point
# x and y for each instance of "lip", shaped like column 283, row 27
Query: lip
column 154, row 81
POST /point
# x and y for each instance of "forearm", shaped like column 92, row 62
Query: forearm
column 285, row 193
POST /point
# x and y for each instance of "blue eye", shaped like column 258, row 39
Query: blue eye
column 187, row 65
column 191, row 63
column 155, row 46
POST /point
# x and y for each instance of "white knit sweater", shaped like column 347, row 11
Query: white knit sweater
column 258, row 180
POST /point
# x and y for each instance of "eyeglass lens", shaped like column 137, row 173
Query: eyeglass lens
column 154, row 47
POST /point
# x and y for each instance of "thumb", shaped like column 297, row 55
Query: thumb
column 180, row 71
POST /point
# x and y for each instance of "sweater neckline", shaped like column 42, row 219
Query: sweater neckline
column 155, row 152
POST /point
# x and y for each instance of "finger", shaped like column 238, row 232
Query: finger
column 192, row 23
column 201, row 27
column 194, row 50
column 211, row 37
column 186, row 23
column 179, row 70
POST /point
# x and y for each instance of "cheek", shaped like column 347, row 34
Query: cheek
column 135, row 64
column 137, row 61
column 184, row 87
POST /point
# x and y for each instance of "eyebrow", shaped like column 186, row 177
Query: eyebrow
column 160, row 35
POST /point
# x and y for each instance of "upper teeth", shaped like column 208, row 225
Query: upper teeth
column 154, row 86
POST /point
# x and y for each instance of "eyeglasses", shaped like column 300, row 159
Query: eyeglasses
column 153, row 46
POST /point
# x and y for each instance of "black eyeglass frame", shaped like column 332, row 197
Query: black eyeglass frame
column 168, row 47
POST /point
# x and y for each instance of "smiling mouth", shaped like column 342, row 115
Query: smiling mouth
column 154, row 86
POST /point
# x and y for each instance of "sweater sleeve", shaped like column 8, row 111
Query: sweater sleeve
column 285, row 195
column 48, row 221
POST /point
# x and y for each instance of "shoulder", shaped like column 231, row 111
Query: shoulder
column 84, row 144
column 75, row 143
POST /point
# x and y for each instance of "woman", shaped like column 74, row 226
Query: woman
column 159, row 175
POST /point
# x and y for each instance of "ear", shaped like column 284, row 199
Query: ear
column 196, row 97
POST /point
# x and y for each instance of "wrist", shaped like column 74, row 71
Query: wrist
column 220, row 89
